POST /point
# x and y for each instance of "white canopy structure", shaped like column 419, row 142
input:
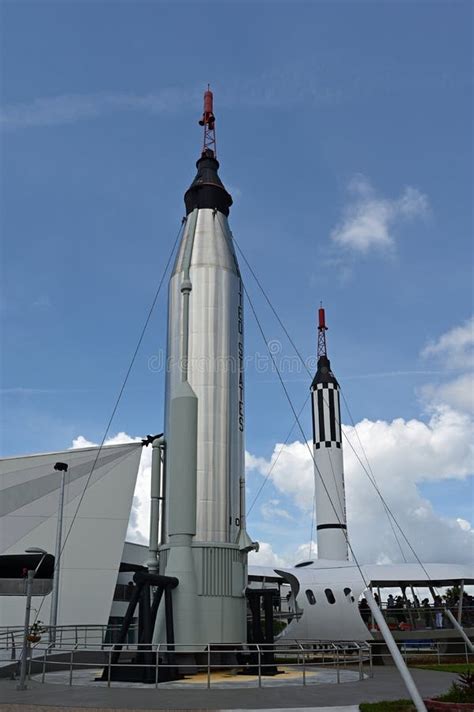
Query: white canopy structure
column 99, row 486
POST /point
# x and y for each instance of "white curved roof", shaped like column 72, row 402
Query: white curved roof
column 329, row 571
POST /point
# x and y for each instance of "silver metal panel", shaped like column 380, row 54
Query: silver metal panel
column 208, row 602
column 210, row 248
column 214, row 369
column 182, row 460
column 220, row 566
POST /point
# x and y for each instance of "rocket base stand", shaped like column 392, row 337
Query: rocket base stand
column 256, row 634
column 144, row 667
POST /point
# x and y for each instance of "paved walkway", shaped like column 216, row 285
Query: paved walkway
column 385, row 685
column 36, row 708
column 289, row 676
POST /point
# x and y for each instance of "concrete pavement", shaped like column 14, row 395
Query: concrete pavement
column 385, row 685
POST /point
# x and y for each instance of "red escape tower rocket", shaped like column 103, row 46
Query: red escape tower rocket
column 328, row 462
column 209, row 122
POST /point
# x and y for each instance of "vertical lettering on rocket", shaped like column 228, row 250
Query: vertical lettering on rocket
column 240, row 349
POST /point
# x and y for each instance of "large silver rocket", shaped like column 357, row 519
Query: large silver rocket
column 204, row 540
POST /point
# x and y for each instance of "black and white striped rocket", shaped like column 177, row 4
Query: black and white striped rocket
column 328, row 462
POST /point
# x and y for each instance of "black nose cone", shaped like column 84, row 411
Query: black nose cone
column 207, row 189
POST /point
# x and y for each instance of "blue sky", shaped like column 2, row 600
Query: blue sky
column 345, row 136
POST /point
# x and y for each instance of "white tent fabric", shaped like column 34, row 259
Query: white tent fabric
column 29, row 498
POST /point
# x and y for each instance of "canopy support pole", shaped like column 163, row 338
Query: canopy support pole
column 461, row 596
column 396, row 655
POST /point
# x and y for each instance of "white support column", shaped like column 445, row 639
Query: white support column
column 461, row 596
column 53, row 618
column 26, row 628
column 396, row 655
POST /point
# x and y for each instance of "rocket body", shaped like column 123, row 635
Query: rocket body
column 328, row 464
column 214, row 367
column 204, row 540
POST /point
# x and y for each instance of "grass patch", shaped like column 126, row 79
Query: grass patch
column 447, row 667
column 419, row 660
column 393, row 706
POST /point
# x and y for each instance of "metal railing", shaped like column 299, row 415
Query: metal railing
column 425, row 652
column 66, row 636
column 79, row 647
column 301, row 657
column 419, row 618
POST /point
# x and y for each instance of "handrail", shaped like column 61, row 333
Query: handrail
column 312, row 655
column 420, row 617
column 305, row 656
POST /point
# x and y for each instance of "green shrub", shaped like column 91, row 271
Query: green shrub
column 462, row 690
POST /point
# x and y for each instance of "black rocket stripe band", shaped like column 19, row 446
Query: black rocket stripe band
column 332, row 416
column 331, row 526
column 326, row 418
column 312, row 419
column 321, row 416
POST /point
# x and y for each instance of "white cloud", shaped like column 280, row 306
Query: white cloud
column 119, row 439
column 292, row 472
column 305, row 552
column 67, row 108
column 402, row 454
column 453, row 350
column 254, row 463
column 439, row 449
column 455, row 347
column 270, row 89
column 291, row 555
column 138, row 526
column 457, row 393
column 42, row 302
column 271, row 511
column 265, row 556
column 81, row 441
column 369, row 220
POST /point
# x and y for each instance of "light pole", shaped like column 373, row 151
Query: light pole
column 29, row 590
column 61, row 467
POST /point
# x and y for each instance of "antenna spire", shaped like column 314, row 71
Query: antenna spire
column 322, row 328
column 209, row 122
